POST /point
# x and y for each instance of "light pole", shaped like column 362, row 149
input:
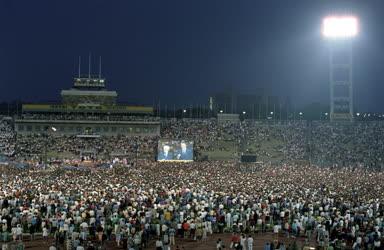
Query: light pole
column 340, row 31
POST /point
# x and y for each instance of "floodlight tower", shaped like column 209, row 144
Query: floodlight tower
column 340, row 31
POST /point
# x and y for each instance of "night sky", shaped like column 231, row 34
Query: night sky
column 182, row 51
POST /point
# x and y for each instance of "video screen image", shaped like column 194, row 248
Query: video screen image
column 175, row 150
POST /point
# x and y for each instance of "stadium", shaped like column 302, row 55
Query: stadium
column 133, row 170
column 242, row 171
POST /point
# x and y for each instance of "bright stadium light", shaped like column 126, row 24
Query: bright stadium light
column 340, row 27
column 340, row 30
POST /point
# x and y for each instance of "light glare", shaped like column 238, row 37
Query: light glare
column 340, row 27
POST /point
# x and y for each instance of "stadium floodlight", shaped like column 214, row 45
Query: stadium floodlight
column 340, row 27
column 340, row 30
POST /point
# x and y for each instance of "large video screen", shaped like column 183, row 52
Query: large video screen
column 175, row 150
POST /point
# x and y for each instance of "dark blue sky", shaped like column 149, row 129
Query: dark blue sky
column 180, row 51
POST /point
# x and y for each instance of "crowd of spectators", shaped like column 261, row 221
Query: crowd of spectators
column 338, row 207
column 203, row 132
column 28, row 146
column 360, row 143
column 287, row 141
column 321, row 143
column 7, row 136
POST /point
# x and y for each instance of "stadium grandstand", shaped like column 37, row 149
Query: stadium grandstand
column 87, row 109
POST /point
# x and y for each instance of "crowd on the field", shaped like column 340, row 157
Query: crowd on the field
column 163, row 202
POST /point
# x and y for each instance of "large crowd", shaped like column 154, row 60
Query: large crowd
column 339, row 207
column 321, row 143
column 33, row 146
column 286, row 142
column 326, row 186
column 360, row 144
